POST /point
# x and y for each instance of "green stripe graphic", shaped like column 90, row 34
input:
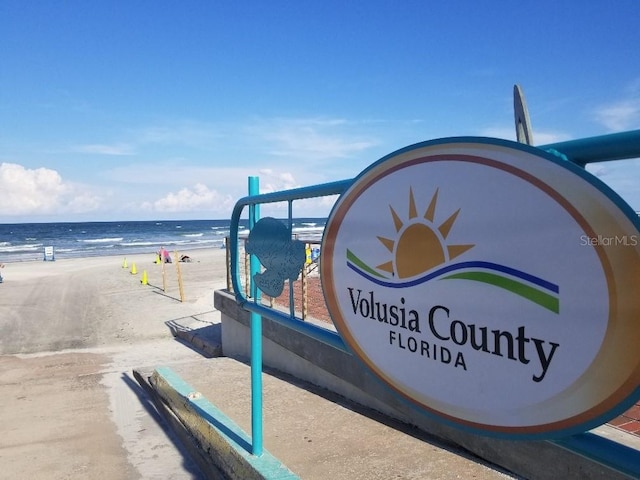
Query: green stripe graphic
column 356, row 261
column 543, row 299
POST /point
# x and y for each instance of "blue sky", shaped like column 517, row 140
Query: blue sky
column 120, row 110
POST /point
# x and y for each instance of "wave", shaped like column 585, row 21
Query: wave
column 308, row 234
column 308, row 231
column 193, row 242
column 102, row 240
column 137, row 244
column 8, row 248
column 26, row 241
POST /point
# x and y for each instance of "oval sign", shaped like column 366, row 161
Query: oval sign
column 490, row 283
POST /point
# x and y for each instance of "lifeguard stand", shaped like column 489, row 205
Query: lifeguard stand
column 49, row 255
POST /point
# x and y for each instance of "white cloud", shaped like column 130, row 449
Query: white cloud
column 623, row 113
column 309, row 207
column 620, row 116
column 315, row 207
column 540, row 137
column 103, row 149
column 271, row 181
column 84, row 202
column 186, row 133
column 198, row 198
column 545, row 138
column 623, row 176
column 275, row 181
column 213, row 190
column 311, row 138
column 40, row 191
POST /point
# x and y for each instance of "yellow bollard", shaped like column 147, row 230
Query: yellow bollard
column 144, row 280
column 124, row 263
column 133, row 269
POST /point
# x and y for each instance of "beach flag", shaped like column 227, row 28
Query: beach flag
column 158, row 258
column 134, row 271
column 124, row 263
column 144, row 280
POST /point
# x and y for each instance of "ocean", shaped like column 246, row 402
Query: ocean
column 21, row 242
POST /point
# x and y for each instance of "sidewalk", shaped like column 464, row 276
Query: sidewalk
column 314, row 433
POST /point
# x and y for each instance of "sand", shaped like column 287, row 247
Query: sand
column 71, row 331
column 88, row 302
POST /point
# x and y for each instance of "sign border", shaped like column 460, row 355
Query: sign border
column 584, row 421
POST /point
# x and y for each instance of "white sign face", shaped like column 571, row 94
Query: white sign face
column 491, row 284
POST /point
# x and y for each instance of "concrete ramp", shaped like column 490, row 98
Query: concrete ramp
column 309, row 432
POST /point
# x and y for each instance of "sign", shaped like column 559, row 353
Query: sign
column 489, row 283
column 48, row 254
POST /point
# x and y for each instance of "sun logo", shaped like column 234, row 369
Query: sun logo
column 421, row 254
column 420, row 244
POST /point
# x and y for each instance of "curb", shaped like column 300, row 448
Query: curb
column 220, row 443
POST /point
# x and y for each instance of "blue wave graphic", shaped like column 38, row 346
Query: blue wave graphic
column 459, row 266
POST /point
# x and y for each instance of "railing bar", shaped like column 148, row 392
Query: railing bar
column 603, row 148
column 322, row 190
column 321, row 334
column 292, row 307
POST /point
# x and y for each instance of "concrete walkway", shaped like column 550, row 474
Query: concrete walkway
column 314, row 433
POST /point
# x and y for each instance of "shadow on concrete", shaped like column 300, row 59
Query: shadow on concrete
column 200, row 336
column 221, row 427
column 150, row 407
column 381, row 418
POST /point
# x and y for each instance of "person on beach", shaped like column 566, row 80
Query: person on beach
column 1, row 266
column 164, row 255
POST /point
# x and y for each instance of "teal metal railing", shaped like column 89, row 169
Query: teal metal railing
column 618, row 146
column 604, row 148
column 254, row 304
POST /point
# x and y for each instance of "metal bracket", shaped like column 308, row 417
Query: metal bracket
column 523, row 123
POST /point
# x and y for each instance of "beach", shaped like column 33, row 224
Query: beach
column 95, row 301
column 71, row 331
column 74, row 330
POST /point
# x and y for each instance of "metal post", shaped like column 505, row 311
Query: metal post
column 248, row 291
column 305, row 289
column 256, row 336
column 228, row 260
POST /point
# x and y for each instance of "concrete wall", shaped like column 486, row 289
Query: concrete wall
column 310, row 360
